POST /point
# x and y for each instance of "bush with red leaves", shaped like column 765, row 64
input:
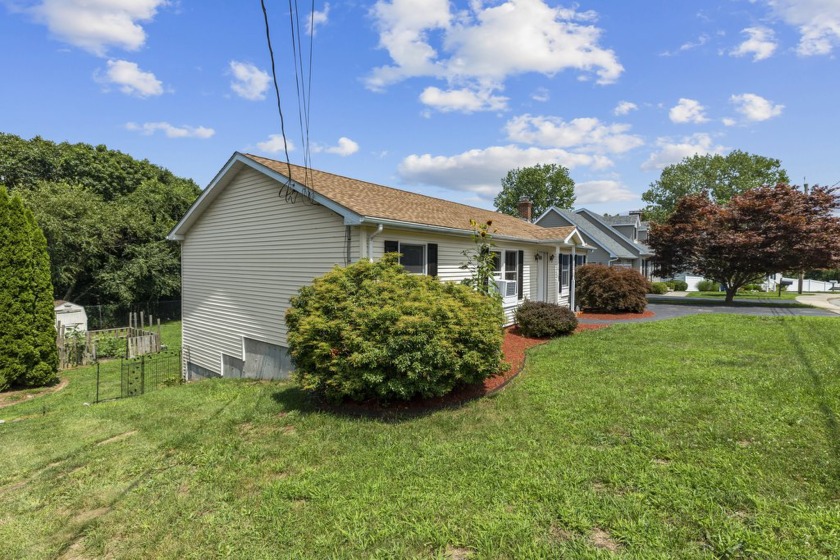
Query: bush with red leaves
column 610, row 289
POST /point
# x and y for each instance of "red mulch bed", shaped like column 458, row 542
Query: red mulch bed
column 513, row 348
column 617, row 316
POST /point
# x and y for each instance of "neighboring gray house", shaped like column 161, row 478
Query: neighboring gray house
column 615, row 240
column 263, row 229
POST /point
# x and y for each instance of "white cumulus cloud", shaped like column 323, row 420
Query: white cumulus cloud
column 818, row 23
column 463, row 100
column 541, row 94
column 481, row 46
column 317, row 18
column 275, row 144
column 673, row 151
column 171, row 131
column 249, row 82
column 755, row 108
column 345, row 147
column 624, row 108
column 760, row 43
column 585, row 134
column 688, row 111
column 96, row 25
column 130, row 79
column 598, row 192
column 480, row 170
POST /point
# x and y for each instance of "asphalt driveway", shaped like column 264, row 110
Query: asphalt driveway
column 671, row 307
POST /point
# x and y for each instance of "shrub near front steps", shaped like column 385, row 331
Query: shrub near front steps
column 540, row 319
column 610, row 289
column 373, row 331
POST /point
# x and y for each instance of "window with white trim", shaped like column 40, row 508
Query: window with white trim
column 413, row 258
column 416, row 258
column 565, row 271
column 506, row 268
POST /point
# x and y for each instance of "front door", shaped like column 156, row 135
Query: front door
column 542, row 276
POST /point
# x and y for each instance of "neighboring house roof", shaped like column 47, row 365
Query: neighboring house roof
column 362, row 202
column 638, row 249
column 66, row 306
column 598, row 237
column 621, row 220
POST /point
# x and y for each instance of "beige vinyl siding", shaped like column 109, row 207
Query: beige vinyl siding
column 247, row 254
column 451, row 257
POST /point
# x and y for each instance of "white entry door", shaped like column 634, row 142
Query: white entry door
column 542, row 276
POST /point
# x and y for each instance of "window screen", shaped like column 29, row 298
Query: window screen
column 413, row 258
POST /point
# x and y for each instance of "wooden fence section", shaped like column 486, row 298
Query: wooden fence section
column 82, row 348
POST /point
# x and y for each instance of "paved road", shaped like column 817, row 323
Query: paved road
column 696, row 306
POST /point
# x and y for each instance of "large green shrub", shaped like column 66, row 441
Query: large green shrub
column 610, row 289
column 542, row 319
column 680, row 285
column 28, row 354
column 708, row 286
column 373, row 331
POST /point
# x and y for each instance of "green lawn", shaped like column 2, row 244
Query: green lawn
column 704, row 437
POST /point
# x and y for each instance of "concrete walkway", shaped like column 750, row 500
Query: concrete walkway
column 830, row 302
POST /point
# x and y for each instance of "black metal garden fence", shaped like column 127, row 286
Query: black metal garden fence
column 138, row 376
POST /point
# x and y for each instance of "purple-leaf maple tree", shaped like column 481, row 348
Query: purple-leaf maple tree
column 761, row 231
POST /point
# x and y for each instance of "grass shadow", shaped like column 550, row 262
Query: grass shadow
column 307, row 402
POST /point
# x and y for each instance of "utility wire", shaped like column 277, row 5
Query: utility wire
column 297, row 56
column 276, row 88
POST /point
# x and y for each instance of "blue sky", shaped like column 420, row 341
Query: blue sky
column 434, row 96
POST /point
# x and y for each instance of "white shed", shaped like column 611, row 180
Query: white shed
column 71, row 316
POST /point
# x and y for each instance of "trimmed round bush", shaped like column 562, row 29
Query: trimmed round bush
column 708, row 286
column 373, row 331
column 658, row 288
column 610, row 289
column 540, row 319
column 679, row 285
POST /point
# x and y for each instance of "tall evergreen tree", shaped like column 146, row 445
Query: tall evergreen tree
column 27, row 338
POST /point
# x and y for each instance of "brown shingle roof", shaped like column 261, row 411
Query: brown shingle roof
column 376, row 201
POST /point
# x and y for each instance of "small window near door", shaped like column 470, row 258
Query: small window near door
column 565, row 265
column 510, row 265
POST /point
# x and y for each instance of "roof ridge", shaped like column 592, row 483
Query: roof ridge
column 389, row 188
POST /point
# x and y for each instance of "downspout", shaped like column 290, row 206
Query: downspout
column 370, row 242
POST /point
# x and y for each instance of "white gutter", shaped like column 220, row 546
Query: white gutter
column 457, row 231
column 370, row 242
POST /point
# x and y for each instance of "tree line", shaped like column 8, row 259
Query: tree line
column 105, row 216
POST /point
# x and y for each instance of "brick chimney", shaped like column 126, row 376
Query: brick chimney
column 525, row 207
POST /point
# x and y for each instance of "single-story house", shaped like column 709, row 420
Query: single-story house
column 70, row 316
column 263, row 229
column 614, row 239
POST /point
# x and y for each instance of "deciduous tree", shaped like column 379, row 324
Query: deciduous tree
column 546, row 185
column 105, row 216
column 759, row 232
column 721, row 177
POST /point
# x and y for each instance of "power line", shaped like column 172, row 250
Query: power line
column 276, row 88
